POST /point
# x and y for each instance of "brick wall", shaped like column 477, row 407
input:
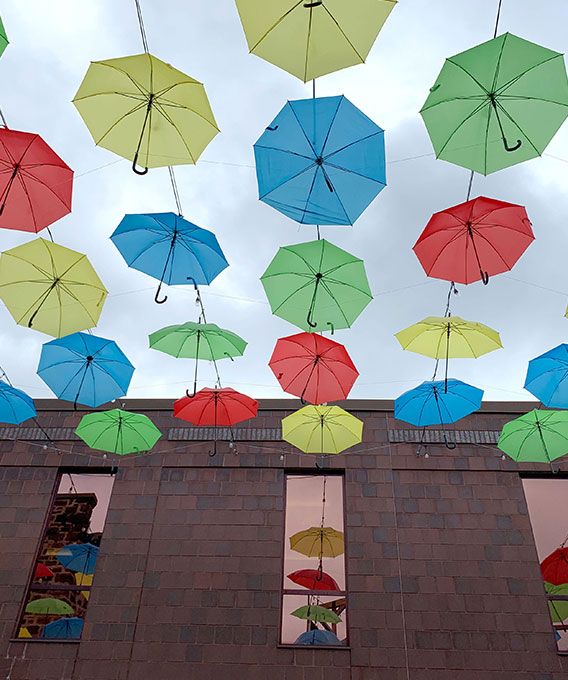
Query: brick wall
column 443, row 577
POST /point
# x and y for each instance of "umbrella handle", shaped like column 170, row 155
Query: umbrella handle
column 313, row 4
column 160, row 302
column 191, row 395
column 308, row 319
column 511, row 148
column 214, row 452
column 135, row 169
column 449, row 445
column 484, row 277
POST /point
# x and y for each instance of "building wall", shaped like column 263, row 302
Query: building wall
column 442, row 572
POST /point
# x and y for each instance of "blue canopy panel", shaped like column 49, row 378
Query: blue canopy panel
column 321, row 161
column 547, row 377
column 15, row 405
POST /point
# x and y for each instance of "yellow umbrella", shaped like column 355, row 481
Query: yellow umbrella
column 318, row 542
column 50, row 288
column 449, row 337
column 310, row 39
column 145, row 110
column 322, row 429
column 84, row 580
column 24, row 632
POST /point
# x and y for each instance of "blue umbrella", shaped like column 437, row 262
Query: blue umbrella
column 431, row 404
column 320, row 161
column 85, row 369
column 318, row 637
column 80, row 557
column 15, row 405
column 63, row 629
column 169, row 248
column 547, row 377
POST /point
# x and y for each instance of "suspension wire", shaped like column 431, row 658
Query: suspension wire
column 202, row 316
column 4, row 123
column 470, row 185
column 50, row 234
column 497, row 20
column 175, row 190
column 141, row 24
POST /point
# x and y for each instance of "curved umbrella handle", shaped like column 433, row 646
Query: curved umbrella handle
column 135, row 169
column 308, row 319
column 214, row 452
column 484, row 277
column 449, row 445
column 159, row 302
column 194, row 391
column 511, row 148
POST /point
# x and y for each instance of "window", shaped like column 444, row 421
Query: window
column 547, row 501
column 61, row 581
column 314, row 602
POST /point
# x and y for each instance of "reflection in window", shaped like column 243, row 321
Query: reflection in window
column 57, row 598
column 547, row 501
column 313, row 602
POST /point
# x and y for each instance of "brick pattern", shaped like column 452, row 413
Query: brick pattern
column 441, row 566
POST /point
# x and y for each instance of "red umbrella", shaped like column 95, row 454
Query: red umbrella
column 217, row 407
column 35, row 184
column 42, row 571
column 474, row 240
column 554, row 568
column 308, row 578
column 313, row 367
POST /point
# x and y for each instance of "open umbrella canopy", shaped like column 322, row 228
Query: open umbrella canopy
column 314, row 612
column 81, row 557
column 3, row 38
column 219, row 407
column 497, row 104
column 310, row 39
column 318, row 637
column 50, row 606
column 192, row 340
column 554, row 568
column 146, row 111
column 320, row 161
column 536, row 437
column 449, row 336
column 547, row 377
column 316, row 286
column 50, row 288
column 322, row 429
column 318, row 542
column 313, row 367
column 474, row 240
column 313, row 579
column 15, row 405
column 85, row 369
column 67, row 628
column 437, row 402
column 118, row 431
column 169, row 248
column 41, row 571
column 558, row 608
column 35, row 184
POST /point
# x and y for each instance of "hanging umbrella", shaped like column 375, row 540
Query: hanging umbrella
column 63, row 629
column 434, row 403
column 24, row 633
column 497, row 104
column 85, row 369
column 197, row 341
column 310, row 39
column 217, row 407
column 318, row 542
column 313, row 612
column 554, row 568
column 320, row 161
column 80, row 557
column 316, row 286
column 35, row 184
column 15, row 405
column 322, row 429
column 117, row 431
column 536, row 437
column 84, row 580
column 146, row 111
column 50, row 288
column 41, row 571
column 313, row 579
column 50, row 606
column 474, row 240
column 558, row 608
column 169, row 248
column 547, row 377
column 313, row 367
column 3, row 38
column 318, row 637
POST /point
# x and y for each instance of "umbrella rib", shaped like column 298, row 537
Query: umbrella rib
column 302, row 129
column 288, row 179
column 280, row 20
column 314, row 176
column 158, row 108
column 271, row 148
column 354, row 172
column 462, row 123
column 514, row 122
column 344, row 35
column 357, row 141
column 21, row 180
column 162, row 105
column 39, row 181
column 524, row 73
column 335, row 114
column 120, row 120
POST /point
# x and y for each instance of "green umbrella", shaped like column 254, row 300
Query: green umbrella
column 536, row 437
column 316, row 286
column 558, row 608
column 313, row 612
column 3, row 38
column 118, row 431
column 48, row 605
column 497, row 104
column 198, row 341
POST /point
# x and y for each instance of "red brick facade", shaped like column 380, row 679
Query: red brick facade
column 442, row 572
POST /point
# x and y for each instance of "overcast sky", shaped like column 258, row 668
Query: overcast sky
column 51, row 45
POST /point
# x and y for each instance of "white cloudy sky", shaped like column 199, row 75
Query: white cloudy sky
column 51, row 46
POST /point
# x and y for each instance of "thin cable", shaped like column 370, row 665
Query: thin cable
column 142, row 29
column 175, row 190
column 4, row 123
column 469, row 185
column 50, row 234
column 497, row 20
